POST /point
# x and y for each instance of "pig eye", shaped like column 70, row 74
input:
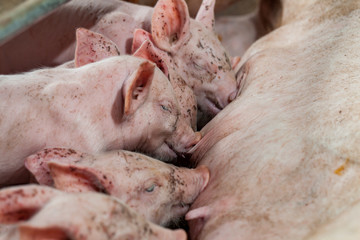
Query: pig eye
column 198, row 66
column 166, row 108
column 151, row 188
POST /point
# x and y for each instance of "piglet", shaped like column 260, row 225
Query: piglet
column 76, row 216
column 160, row 192
column 121, row 102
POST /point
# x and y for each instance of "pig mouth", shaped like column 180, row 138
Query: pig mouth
column 174, row 152
column 181, row 208
column 213, row 105
column 170, row 150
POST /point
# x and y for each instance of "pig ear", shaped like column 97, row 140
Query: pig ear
column 170, row 24
column 137, row 87
column 205, row 14
column 29, row 232
column 92, row 47
column 140, row 36
column 75, row 178
column 21, row 203
column 37, row 163
column 148, row 51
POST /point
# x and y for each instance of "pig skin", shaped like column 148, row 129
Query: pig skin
column 284, row 155
column 79, row 216
column 205, row 69
column 92, row 47
column 93, row 108
column 346, row 226
column 158, row 191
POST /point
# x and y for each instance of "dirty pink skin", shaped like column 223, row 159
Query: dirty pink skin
column 284, row 156
column 91, row 47
column 94, row 43
column 121, row 102
column 195, row 48
column 21, row 202
column 160, row 192
column 144, row 47
column 76, row 216
column 196, row 53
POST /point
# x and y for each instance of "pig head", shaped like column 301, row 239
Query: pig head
column 192, row 46
column 160, row 192
column 92, row 46
column 62, row 215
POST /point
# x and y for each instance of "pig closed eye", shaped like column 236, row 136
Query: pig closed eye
column 198, row 66
column 150, row 189
column 166, row 108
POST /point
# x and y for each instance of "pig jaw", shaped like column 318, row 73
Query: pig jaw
column 183, row 140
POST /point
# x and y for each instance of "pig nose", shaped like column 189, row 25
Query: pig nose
column 195, row 140
column 205, row 175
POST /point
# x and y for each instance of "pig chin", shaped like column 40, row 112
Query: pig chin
column 180, row 209
column 164, row 153
column 175, row 214
column 211, row 107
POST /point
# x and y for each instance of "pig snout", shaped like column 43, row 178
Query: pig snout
column 183, row 139
column 221, row 93
column 227, row 88
column 189, row 141
column 189, row 184
column 199, row 178
column 204, row 173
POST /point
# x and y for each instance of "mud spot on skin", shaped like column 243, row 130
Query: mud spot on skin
column 59, row 152
column 340, row 170
column 172, row 181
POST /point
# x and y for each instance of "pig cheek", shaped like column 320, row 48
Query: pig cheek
column 147, row 204
column 198, row 73
column 135, row 200
column 166, row 126
column 152, row 127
